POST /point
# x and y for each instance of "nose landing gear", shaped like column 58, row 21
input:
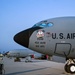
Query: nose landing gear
column 70, row 66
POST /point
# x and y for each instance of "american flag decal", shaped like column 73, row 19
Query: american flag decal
column 48, row 34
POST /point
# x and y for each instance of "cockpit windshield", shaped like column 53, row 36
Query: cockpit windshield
column 43, row 25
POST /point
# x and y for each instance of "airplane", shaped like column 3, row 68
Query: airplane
column 24, row 53
column 55, row 36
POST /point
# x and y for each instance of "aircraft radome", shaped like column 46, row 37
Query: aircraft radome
column 54, row 36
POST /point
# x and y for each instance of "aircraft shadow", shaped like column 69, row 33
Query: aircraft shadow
column 34, row 61
column 26, row 71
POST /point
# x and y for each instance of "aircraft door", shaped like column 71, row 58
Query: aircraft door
column 62, row 48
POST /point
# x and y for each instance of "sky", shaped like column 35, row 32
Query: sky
column 18, row 15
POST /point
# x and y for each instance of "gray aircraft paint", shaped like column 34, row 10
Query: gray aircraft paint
column 61, row 40
column 23, row 53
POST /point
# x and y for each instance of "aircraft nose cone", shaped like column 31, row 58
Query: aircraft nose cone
column 22, row 38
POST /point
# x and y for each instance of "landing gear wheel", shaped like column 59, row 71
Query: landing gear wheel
column 72, row 68
column 17, row 60
column 67, row 68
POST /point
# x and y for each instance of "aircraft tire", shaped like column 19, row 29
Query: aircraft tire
column 17, row 60
column 71, row 68
column 67, row 68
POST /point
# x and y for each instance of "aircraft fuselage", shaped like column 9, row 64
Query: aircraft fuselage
column 56, row 40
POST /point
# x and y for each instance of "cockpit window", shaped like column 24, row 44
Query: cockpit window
column 50, row 24
column 43, row 25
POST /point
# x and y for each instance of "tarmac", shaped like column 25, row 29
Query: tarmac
column 36, row 67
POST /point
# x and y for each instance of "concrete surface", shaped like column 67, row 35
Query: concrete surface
column 37, row 67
